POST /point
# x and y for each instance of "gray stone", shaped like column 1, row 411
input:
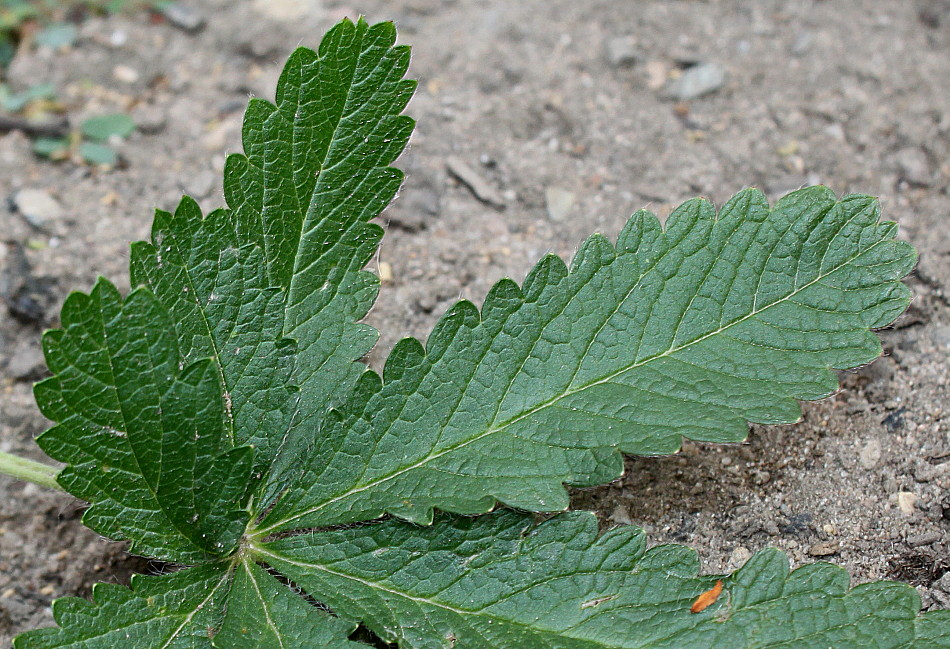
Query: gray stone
column 475, row 183
column 621, row 51
column 37, row 207
column 940, row 334
column 559, row 202
column 802, row 44
column 183, row 17
column 913, row 166
column 699, row 80
column 920, row 540
column 823, row 549
column 149, row 119
column 870, row 455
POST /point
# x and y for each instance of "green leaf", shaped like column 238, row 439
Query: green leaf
column 177, row 611
column 688, row 331
column 157, row 438
column 97, row 153
column 57, row 35
column 142, row 435
column 15, row 102
column 224, row 390
column 271, row 289
column 264, row 614
column 501, row 582
column 103, row 127
column 51, row 147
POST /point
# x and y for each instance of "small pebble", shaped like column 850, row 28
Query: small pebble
column 149, row 119
column 913, row 166
column 385, row 272
column 481, row 189
column 419, row 207
column 823, row 549
column 621, row 51
column 940, row 335
column 802, row 44
column 931, row 472
column 559, row 202
column 920, row 540
column 125, row 74
column 906, row 501
column 621, row 515
column 699, row 80
column 870, row 455
column 37, row 207
column 657, row 73
column 183, row 17
column 739, row 557
column 118, row 38
column 200, row 184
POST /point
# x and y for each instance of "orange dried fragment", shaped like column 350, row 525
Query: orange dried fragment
column 707, row 598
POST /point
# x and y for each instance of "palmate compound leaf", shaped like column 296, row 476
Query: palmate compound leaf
column 244, row 332
column 253, row 308
column 500, row 581
column 688, row 331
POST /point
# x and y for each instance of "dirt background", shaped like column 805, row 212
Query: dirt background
column 563, row 112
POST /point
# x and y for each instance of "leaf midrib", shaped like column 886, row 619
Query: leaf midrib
column 261, row 533
column 321, row 168
column 218, row 363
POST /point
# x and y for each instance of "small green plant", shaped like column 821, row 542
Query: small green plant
column 46, row 21
column 217, row 417
column 90, row 143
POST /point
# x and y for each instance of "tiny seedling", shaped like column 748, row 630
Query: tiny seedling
column 43, row 22
column 218, row 419
column 91, row 142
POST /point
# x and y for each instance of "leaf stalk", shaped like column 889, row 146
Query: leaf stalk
column 22, row 468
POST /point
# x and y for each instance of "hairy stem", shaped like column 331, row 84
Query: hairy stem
column 23, row 469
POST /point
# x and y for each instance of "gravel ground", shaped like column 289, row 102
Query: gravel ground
column 539, row 123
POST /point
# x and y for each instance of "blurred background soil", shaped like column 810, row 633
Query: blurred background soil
column 539, row 123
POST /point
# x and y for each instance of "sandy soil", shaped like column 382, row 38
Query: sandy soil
column 562, row 110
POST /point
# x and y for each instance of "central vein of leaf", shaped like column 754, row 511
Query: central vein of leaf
column 262, row 533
